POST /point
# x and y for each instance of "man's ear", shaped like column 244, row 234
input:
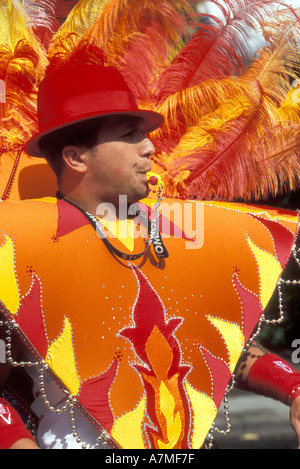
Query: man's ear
column 74, row 158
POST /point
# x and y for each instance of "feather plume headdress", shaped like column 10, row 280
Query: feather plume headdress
column 230, row 102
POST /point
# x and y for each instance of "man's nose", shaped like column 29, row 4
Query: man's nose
column 147, row 148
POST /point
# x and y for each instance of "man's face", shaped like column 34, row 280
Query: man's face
column 118, row 164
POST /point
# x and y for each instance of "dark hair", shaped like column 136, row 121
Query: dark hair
column 80, row 134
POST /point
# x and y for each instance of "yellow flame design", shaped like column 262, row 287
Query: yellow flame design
column 269, row 272
column 168, row 409
column 61, row 359
column 173, row 420
column 132, row 439
column 9, row 292
column 233, row 337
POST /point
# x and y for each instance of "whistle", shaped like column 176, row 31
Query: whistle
column 154, row 179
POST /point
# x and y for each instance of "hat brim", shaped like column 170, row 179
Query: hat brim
column 151, row 121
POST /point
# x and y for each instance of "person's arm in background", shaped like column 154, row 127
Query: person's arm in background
column 269, row 375
column 13, row 432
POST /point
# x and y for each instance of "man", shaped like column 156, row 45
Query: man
column 123, row 316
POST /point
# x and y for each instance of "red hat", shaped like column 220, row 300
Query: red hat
column 77, row 93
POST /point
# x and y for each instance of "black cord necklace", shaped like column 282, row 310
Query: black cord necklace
column 152, row 226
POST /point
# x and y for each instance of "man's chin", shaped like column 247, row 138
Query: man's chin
column 139, row 195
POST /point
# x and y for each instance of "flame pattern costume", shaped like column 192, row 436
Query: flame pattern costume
column 102, row 325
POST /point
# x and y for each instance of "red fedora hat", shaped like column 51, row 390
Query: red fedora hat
column 77, row 93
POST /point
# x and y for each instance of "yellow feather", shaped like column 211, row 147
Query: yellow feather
column 22, row 67
column 277, row 63
column 79, row 20
column 15, row 24
column 289, row 109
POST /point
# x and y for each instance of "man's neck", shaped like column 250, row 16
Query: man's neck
column 108, row 210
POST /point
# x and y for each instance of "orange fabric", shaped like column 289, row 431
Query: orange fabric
column 156, row 340
column 33, row 177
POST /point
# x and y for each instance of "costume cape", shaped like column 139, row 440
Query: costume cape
column 231, row 133
column 103, row 324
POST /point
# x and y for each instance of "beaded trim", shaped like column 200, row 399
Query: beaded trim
column 263, row 320
column 104, row 439
column 12, row 176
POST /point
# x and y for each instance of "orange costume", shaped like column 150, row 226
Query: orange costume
column 144, row 349
column 103, row 324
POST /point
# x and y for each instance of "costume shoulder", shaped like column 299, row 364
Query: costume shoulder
column 30, row 209
column 39, row 219
column 28, row 222
column 203, row 221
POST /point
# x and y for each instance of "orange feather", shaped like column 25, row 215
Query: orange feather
column 231, row 124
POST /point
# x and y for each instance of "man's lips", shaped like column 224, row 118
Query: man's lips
column 144, row 174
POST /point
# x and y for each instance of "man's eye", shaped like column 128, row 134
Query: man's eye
column 133, row 134
column 129, row 134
